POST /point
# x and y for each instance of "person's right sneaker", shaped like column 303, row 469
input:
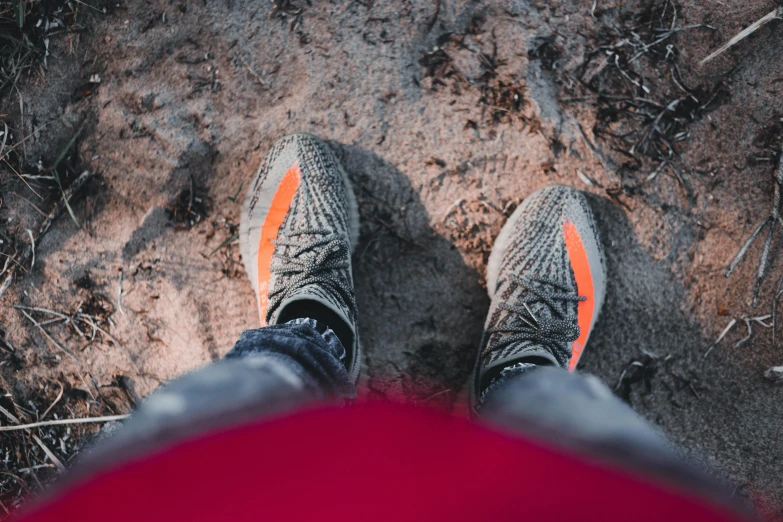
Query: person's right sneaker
column 546, row 279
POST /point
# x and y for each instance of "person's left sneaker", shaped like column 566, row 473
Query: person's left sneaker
column 299, row 226
column 547, row 280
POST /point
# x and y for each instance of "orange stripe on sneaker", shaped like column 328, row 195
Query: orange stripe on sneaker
column 584, row 285
column 281, row 203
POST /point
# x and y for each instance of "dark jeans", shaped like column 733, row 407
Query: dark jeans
column 272, row 370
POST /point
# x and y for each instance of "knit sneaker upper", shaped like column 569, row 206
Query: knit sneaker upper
column 298, row 229
column 546, row 279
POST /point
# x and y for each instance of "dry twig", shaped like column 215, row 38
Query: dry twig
column 773, row 15
column 772, row 221
column 49, row 337
column 774, row 374
column 721, row 336
column 63, row 422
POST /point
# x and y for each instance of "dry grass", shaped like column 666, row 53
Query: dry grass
column 33, row 455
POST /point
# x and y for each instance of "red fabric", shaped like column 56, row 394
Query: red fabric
column 367, row 463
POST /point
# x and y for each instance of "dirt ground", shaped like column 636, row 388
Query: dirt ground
column 446, row 115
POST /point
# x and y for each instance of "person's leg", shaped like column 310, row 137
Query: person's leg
column 269, row 371
column 298, row 228
column 578, row 412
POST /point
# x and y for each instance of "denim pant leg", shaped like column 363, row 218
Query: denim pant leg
column 268, row 372
column 579, row 413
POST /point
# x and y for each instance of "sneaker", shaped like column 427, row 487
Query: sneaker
column 546, row 280
column 299, row 226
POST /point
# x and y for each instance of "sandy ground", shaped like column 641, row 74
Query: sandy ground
column 446, row 115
